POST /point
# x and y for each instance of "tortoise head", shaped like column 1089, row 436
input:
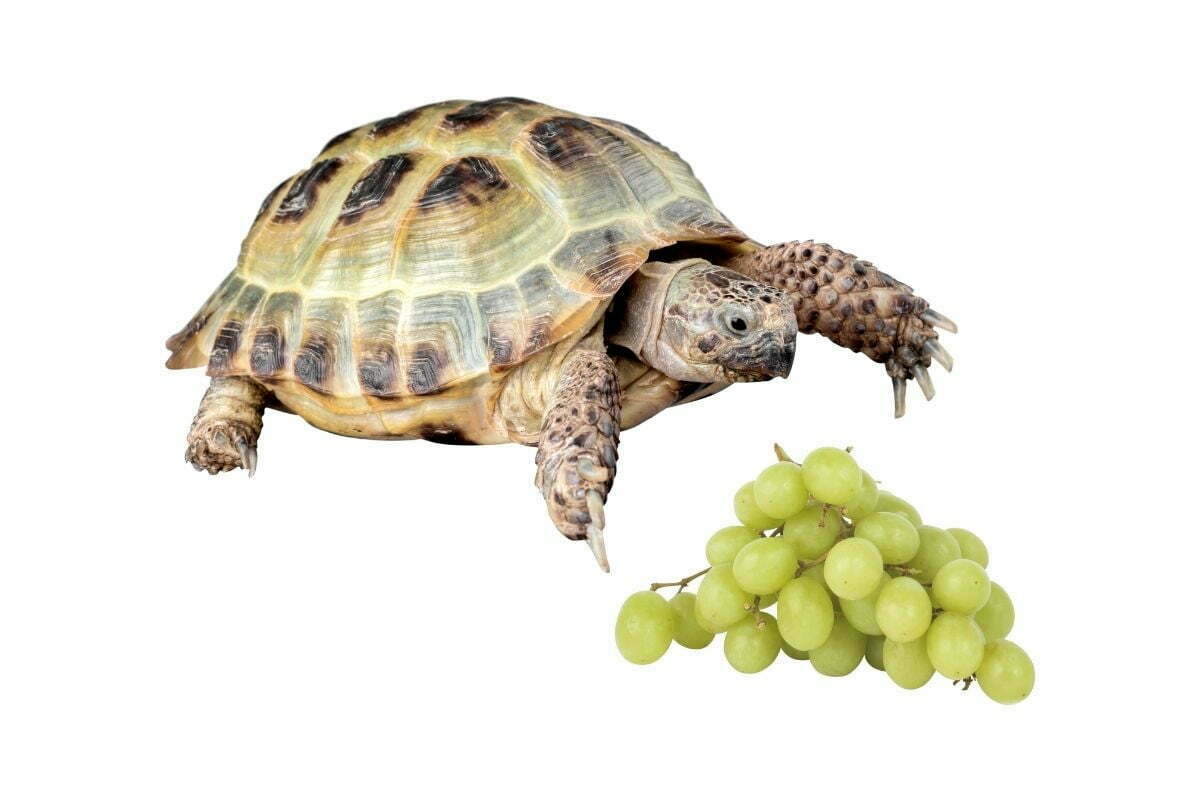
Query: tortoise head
column 698, row 322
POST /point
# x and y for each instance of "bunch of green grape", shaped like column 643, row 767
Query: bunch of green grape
column 852, row 572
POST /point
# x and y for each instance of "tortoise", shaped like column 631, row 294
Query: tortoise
column 505, row 271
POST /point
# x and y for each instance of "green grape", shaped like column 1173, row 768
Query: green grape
column 971, row 545
column 762, row 567
column 746, row 509
column 750, row 648
column 875, row 651
column 687, row 630
column 841, row 652
column 853, row 568
column 996, row 617
column 864, row 500
column 907, row 663
column 767, row 600
column 937, row 549
column 1006, row 674
column 831, row 475
column 903, row 611
column 791, row 652
column 814, row 530
column 779, row 490
column 720, row 602
column 724, row 544
column 861, row 613
column 805, row 613
column 954, row 644
column 892, row 533
column 962, row 586
column 817, row 573
column 889, row 502
column 645, row 627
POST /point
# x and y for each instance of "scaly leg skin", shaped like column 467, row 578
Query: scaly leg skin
column 851, row 302
column 224, row 434
column 577, row 450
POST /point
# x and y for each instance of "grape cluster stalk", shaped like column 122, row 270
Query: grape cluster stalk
column 853, row 573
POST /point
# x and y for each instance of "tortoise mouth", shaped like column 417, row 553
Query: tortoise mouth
column 767, row 356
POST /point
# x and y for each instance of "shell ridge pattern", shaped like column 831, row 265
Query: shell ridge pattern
column 441, row 246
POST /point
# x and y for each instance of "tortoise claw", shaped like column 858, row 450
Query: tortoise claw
column 249, row 456
column 595, row 528
column 939, row 320
column 934, row 350
column 899, row 390
column 923, row 380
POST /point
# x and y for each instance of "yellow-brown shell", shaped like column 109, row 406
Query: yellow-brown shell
column 443, row 244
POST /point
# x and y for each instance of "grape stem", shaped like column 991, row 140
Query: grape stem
column 681, row 583
column 966, row 682
column 781, row 454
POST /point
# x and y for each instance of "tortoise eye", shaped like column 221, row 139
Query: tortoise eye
column 738, row 324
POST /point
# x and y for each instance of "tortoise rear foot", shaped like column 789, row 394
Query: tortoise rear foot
column 224, row 434
column 577, row 453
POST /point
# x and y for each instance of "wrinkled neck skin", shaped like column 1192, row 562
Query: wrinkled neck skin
column 640, row 320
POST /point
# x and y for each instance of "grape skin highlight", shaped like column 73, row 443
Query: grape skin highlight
column 805, row 613
column 955, row 645
column 996, row 617
column 814, row 530
column 779, row 490
column 688, row 632
column 724, row 545
column 841, row 652
column 896, row 537
column 831, row 475
column 746, row 509
column 750, row 648
column 1006, row 674
column 645, row 627
column 853, row 568
column 763, row 566
column 962, row 586
column 720, row 602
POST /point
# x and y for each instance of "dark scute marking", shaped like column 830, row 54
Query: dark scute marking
column 502, row 311
column 269, row 199
column 266, row 353
column 313, row 362
column 602, row 254
column 377, row 372
column 225, row 347
column 565, row 141
column 425, row 370
column 699, row 217
column 444, row 434
column 472, row 180
column 375, row 186
column 390, row 125
column 480, row 112
column 341, row 137
column 632, row 130
column 303, row 194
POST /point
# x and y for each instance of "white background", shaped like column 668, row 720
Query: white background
column 380, row 619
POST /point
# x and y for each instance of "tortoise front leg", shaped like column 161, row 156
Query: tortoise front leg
column 577, row 450
column 852, row 303
column 224, row 434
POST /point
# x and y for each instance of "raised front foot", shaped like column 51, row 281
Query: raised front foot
column 577, row 452
column 854, row 304
column 224, row 434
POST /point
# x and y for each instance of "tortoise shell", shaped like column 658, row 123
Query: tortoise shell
column 442, row 245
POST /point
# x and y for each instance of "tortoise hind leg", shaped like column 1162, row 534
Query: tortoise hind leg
column 577, row 450
column 224, row 434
